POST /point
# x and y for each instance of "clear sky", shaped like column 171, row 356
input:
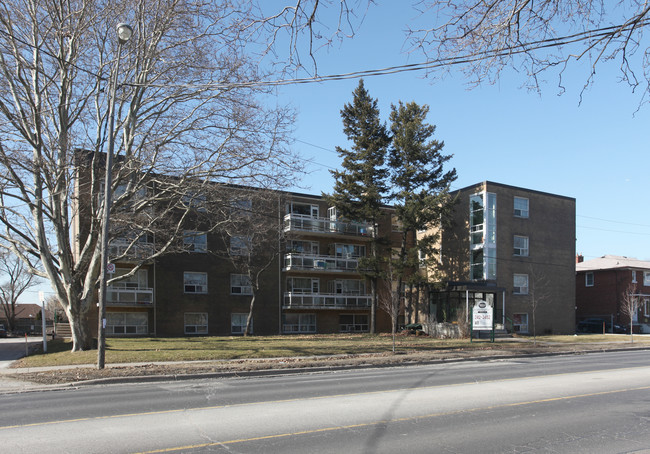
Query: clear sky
column 595, row 150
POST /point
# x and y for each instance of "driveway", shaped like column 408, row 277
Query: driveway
column 13, row 348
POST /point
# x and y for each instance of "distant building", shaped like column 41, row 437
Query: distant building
column 28, row 319
column 514, row 248
column 601, row 284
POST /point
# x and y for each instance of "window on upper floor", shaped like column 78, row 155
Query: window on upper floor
column 347, row 287
column 521, row 246
column 241, row 207
column 303, row 285
column 195, row 282
column 633, row 276
column 195, row 241
column 240, row 284
column 646, row 278
column 350, row 250
column 303, row 209
column 303, row 247
column 520, row 284
column 138, row 281
column 240, row 245
column 521, row 207
column 589, row 279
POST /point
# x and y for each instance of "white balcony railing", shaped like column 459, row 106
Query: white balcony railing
column 305, row 223
column 326, row 300
column 303, row 262
column 124, row 296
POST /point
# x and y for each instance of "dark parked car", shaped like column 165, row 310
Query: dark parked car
column 593, row 325
column 3, row 331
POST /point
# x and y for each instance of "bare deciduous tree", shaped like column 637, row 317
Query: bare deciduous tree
column 631, row 302
column 190, row 111
column 539, row 293
column 389, row 297
column 17, row 280
column 484, row 38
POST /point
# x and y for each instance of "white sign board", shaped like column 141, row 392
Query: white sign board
column 110, row 268
column 482, row 316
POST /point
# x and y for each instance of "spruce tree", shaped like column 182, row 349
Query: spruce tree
column 419, row 184
column 360, row 187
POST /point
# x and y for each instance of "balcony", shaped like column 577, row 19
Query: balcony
column 306, row 223
column 325, row 301
column 326, row 263
column 137, row 251
column 125, row 296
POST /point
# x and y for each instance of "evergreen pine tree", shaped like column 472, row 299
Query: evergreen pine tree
column 360, row 187
column 419, row 184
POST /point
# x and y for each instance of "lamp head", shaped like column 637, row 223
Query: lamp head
column 124, row 32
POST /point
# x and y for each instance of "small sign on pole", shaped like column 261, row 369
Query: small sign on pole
column 110, row 268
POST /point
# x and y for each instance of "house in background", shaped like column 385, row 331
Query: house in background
column 28, row 319
column 513, row 248
column 601, row 284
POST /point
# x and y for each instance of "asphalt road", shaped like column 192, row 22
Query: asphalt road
column 594, row 403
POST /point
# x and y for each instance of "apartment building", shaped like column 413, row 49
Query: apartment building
column 515, row 249
column 312, row 286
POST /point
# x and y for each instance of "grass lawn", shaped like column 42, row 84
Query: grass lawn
column 130, row 350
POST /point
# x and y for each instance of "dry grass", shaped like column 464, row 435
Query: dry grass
column 148, row 350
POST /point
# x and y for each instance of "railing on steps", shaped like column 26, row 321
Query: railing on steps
column 63, row 330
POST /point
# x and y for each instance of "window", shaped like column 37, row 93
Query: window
column 521, row 246
column 240, row 284
column 196, row 323
column 138, row 281
column 633, row 276
column 396, row 224
column 589, row 279
column 195, row 241
column 238, row 323
column 303, row 209
column 646, row 278
column 302, row 285
column 521, row 207
column 239, row 245
column 520, row 284
column 347, row 287
column 303, row 247
column 646, row 305
column 242, row 208
column 349, row 250
column 195, row 282
column 520, row 323
column 127, row 323
column 353, row 323
column 299, row 323
column 192, row 199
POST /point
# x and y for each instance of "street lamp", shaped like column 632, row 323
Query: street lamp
column 124, row 32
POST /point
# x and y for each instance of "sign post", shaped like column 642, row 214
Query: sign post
column 482, row 318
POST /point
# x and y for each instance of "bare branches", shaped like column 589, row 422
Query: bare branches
column 534, row 37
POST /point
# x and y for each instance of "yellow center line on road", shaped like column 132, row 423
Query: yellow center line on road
column 331, row 396
column 387, row 421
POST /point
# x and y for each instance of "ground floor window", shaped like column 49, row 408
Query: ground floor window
column 646, row 304
column 196, row 323
column 238, row 323
column 299, row 323
column 353, row 323
column 127, row 323
column 520, row 323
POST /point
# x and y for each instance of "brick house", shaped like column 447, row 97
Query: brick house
column 601, row 284
column 514, row 248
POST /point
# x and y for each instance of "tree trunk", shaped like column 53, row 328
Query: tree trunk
column 81, row 337
column 249, row 319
